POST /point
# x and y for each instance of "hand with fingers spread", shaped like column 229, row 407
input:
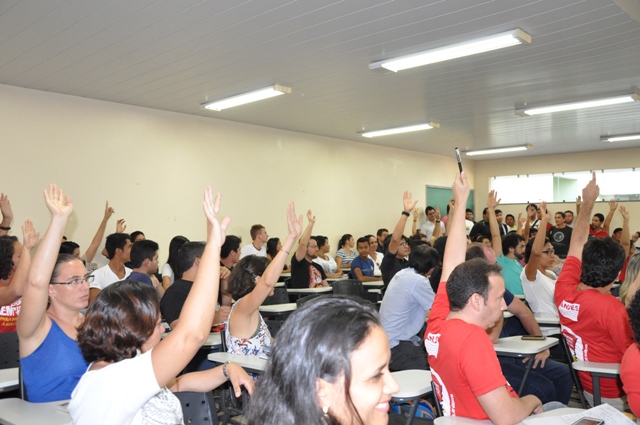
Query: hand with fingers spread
column 409, row 204
column 121, row 226
column 492, row 200
column 437, row 213
column 311, row 217
column 416, row 213
column 624, row 212
column 613, row 205
column 544, row 212
column 217, row 230
column 29, row 235
column 5, row 207
column 58, row 203
column 295, row 224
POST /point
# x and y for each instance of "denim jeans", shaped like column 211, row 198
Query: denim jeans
column 549, row 383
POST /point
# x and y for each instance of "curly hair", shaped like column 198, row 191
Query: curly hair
column 7, row 249
column 119, row 321
column 243, row 276
column 634, row 316
column 602, row 260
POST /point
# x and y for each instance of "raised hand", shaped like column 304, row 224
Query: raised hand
column 452, row 205
column 58, row 203
column 544, row 213
column 613, row 205
column 415, row 212
column 295, row 224
column 121, row 226
column 108, row 212
column 521, row 220
column 311, row 217
column 29, row 235
column 591, row 191
column 5, row 207
column 579, row 200
column 437, row 213
column 492, row 200
column 460, row 187
column 409, row 204
column 624, row 212
column 211, row 207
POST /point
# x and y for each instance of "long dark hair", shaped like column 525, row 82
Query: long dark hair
column 316, row 342
column 343, row 240
column 174, row 246
column 272, row 247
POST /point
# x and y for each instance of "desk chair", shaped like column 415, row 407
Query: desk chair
column 437, row 401
column 300, row 301
column 280, row 296
column 348, row 287
column 568, row 357
column 228, row 402
column 597, row 371
column 198, row 408
column 413, row 385
column 9, row 350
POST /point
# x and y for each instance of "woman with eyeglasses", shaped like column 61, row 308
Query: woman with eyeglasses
column 56, row 291
column 252, row 280
column 538, row 281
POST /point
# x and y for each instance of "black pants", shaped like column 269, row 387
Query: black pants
column 408, row 356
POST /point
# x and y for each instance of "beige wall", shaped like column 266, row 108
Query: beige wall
column 613, row 158
column 153, row 165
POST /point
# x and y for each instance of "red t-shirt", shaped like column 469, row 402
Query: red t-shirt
column 599, row 234
column 463, row 361
column 9, row 316
column 595, row 325
column 631, row 377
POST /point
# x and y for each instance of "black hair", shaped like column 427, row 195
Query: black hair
column 440, row 245
column 67, row 247
column 529, row 248
column 135, row 234
column 7, row 249
column 381, row 231
column 511, row 240
column 322, row 240
column 561, row 213
column 143, row 250
column 600, row 217
column 272, row 245
column 344, row 240
column 363, row 239
column 423, row 258
column 187, row 255
column 602, row 260
column 468, row 278
column 116, row 241
column 243, row 276
column 172, row 260
column 634, row 317
column 232, row 243
column 316, row 342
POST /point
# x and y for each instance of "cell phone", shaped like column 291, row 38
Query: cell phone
column 459, row 159
column 588, row 421
column 533, row 337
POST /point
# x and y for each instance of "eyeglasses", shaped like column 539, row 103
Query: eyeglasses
column 549, row 251
column 403, row 244
column 77, row 281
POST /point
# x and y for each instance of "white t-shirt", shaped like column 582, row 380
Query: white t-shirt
column 539, row 295
column 329, row 266
column 251, row 250
column 124, row 393
column 104, row 277
column 428, row 228
column 168, row 271
column 376, row 264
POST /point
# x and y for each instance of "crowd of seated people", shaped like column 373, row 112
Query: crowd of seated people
column 112, row 364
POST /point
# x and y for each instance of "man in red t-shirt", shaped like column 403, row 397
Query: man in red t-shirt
column 464, row 365
column 594, row 323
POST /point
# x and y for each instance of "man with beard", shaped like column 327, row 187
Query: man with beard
column 513, row 246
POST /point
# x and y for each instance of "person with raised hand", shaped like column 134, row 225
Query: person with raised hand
column 57, row 290
column 252, row 280
column 305, row 273
column 133, row 372
column 7, row 214
column 395, row 255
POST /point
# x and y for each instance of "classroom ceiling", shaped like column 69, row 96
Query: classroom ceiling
column 175, row 55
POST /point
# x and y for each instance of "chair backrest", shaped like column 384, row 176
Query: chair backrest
column 568, row 357
column 9, row 351
column 436, row 400
column 280, row 296
column 223, row 340
column 302, row 300
column 287, row 282
column 274, row 326
column 198, row 408
column 348, row 287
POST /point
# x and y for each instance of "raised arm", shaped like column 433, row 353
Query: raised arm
column 437, row 229
column 414, row 227
column 14, row 290
column 625, row 238
column 613, row 206
column 97, row 238
column 580, row 232
column 578, row 204
column 7, row 214
column 496, row 240
column 396, row 236
column 173, row 353
column 457, row 239
column 306, row 235
column 36, row 292
column 531, row 269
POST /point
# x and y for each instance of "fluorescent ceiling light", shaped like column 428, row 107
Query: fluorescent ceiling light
column 498, row 150
column 397, row 130
column 241, row 99
column 591, row 103
column 620, row 138
column 454, row 51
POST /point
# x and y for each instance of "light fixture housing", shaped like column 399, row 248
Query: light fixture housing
column 398, row 130
column 620, row 138
column 498, row 150
column 454, row 51
column 244, row 98
column 582, row 104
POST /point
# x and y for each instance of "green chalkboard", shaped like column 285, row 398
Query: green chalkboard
column 440, row 196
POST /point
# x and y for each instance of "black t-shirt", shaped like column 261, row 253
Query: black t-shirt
column 560, row 239
column 173, row 300
column 390, row 266
column 305, row 274
column 480, row 228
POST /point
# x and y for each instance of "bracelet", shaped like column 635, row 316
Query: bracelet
column 406, row 213
column 7, row 228
column 224, row 370
column 437, row 221
column 285, row 251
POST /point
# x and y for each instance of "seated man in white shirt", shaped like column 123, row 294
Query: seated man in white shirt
column 258, row 245
column 118, row 247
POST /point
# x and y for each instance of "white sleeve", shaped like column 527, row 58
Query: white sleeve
column 167, row 271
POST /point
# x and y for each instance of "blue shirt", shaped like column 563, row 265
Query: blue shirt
column 366, row 266
column 140, row 277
